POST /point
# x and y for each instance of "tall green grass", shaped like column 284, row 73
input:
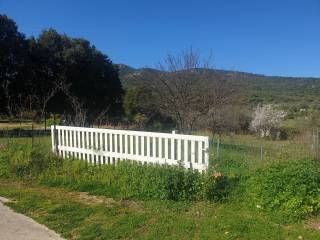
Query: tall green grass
column 125, row 180
column 291, row 187
column 284, row 185
column 245, row 154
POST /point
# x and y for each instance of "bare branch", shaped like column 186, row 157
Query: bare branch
column 79, row 116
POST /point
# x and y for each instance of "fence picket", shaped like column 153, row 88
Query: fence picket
column 125, row 144
column 160, row 148
column 193, row 152
column 172, row 149
column 91, row 146
column 115, row 142
column 185, row 155
column 120, row 144
column 142, row 146
column 110, row 142
column 154, row 147
column 131, row 144
column 52, row 139
column 148, row 147
column 166, row 148
column 78, row 139
column 179, row 150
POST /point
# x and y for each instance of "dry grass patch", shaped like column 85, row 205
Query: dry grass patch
column 313, row 224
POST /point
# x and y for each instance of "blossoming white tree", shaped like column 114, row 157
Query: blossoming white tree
column 266, row 119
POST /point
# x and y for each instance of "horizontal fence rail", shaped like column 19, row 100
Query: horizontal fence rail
column 108, row 146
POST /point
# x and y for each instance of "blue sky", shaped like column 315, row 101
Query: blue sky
column 272, row 37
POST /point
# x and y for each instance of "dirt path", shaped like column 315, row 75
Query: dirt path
column 15, row 226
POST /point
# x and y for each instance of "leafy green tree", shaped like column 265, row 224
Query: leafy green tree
column 142, row 110
column 13, row 51
column 56, row 73
column 136, row 102
column 90, row 80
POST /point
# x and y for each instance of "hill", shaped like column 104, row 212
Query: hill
column 288, row 91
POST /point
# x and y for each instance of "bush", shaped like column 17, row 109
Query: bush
column 133, row 180
column 50, row 121
column 291, row 187
column 125, row 180
column 23, row 161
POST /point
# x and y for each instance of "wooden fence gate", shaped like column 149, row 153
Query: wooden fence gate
column 108, row 146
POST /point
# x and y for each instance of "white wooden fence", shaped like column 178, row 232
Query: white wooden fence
column 108, row 146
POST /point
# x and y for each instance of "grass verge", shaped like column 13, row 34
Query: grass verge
column 81, row 201
column 76, row 215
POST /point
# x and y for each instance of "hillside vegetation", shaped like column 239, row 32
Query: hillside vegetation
column 260, row 88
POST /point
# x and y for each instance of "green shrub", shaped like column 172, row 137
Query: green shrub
column 50, row 121
column 26, row 162
column 219, row 188
column 291, row 187
column 133, row 180
column 125, row 180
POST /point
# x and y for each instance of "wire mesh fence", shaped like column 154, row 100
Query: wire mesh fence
column 27, row 132
column 250, row 153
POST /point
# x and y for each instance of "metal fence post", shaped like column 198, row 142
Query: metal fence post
column 45, row 121
column 32, row 140
column 317, row 144
column 8, row 137
column 218, row 146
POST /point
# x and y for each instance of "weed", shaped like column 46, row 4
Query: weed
column 292, row 187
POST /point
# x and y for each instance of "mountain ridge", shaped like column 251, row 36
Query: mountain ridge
column 124, row 67
column 259, row 88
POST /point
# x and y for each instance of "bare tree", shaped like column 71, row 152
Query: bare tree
column 30, row 100
column 181, row 88
column 46, row 96
column 23, row 106
column 227, row 103
column 79, row 112
column 5, row 86
column 101, row 117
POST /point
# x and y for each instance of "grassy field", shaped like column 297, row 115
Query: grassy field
column 240, row 154
column 23, row 125
column 77, row 215
column 87, row 210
